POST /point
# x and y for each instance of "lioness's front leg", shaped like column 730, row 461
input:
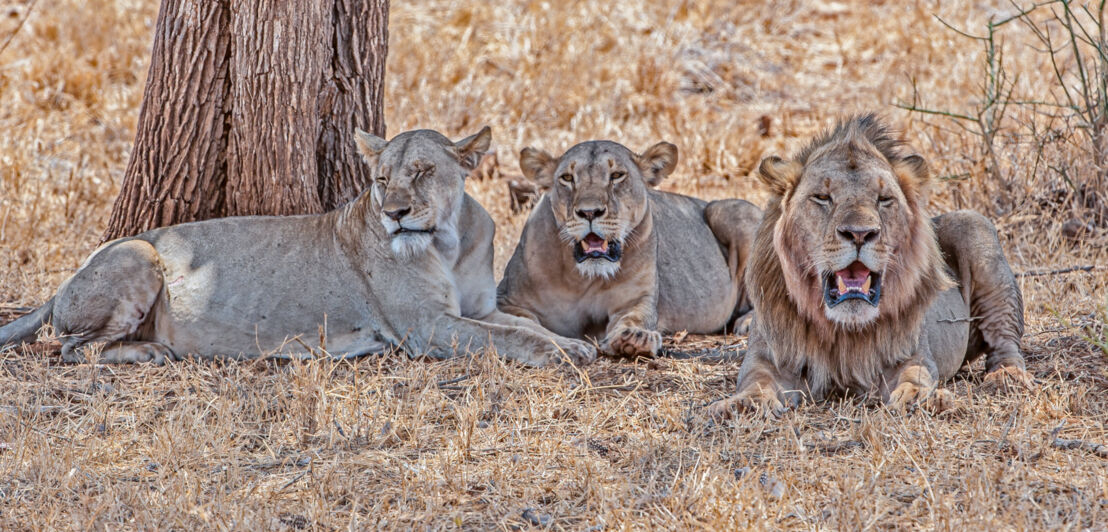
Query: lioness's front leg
column 585, row 351
column 631, row 331
column 449, row 334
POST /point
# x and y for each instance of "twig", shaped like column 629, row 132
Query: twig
column 293, row 481
column 1039, row 273
column 1098, row 449
column 834, row 447
column 23, row 21
column 959, row 320
column 445, row 383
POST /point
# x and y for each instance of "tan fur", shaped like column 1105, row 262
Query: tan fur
column 419, row 279
column 682, row 258
column 858, row 175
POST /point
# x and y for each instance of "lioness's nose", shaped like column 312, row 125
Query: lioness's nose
column 397, row 213
column 591, row 214
column 859, row 235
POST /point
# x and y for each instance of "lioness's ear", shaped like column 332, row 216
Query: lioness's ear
column 471, row 148
column 778, row 174
column 914, row 175
column 657, row 162
column 370, row 146
column 538, row 166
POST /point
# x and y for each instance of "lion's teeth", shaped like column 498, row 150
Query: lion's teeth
column 865, row 286
column 841, row 283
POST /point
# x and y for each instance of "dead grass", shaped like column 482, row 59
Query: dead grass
column 478, row 443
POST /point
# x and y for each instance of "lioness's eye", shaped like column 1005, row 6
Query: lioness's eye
column 382, row 180
column 566, row 178
column 822, row 199
column 885, row 201
column 617, row 176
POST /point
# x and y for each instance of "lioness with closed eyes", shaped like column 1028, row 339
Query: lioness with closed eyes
column 407, row 265
column 605, row 255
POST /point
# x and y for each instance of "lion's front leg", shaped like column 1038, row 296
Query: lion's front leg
column 631, row 332
column 914, row 383
column 762, row 387
column 970, row 243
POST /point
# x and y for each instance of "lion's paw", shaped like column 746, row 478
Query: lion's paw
column 1009, row 378
column 751, row 400
column 632, row 342
column 742, row 324
column 906, row 395
column 940, row 401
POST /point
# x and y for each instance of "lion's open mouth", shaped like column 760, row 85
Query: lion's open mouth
column 853, row 282
column 595, row 247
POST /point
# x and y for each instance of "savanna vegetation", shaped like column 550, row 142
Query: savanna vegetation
column 1008, row 106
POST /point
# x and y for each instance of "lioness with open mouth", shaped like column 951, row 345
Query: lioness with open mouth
column 407, row 265
column 855, row 288
column 606, row 256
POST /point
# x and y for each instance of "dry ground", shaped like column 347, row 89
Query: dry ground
column 478, row 443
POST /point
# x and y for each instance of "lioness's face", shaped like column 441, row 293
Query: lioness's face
column 843, row 227
column 419, row 183
column 598, row 193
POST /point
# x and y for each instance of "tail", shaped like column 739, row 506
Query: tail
column 25, row 329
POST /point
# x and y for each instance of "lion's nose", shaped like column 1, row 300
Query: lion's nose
column 859, row 235
column 398, row 213
column 591, row 214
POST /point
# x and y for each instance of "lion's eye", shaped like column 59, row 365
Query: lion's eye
column 821, row 199
column 886, row 201
column 566, row 178
column 616, row 177
column 382, row 180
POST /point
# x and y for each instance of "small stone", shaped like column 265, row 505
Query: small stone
column 1076, row 230
column 536, row 519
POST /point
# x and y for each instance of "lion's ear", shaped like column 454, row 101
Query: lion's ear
column 471, row 148
column 778, row 174
column 538, row 166
column 914, row 175
column 369, row 145
column 657, row 162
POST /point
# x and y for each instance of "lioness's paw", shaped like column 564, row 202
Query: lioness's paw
column 72, row 355
column 1008, row 378
column 579, row 353
column 632, row 342
column 751, row 400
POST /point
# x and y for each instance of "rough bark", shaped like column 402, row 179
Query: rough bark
column 250, row 108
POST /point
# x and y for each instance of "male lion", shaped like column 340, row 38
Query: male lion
column 407, row 264
column 849, row 284
column 606, row 256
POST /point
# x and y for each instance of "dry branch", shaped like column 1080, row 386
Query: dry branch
column 1039, row 273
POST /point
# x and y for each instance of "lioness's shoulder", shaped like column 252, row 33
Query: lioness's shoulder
column 475, row 224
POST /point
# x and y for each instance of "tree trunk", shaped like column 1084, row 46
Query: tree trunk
column 250, row 108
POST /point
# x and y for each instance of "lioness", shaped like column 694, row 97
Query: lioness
column 849, row 284
column 604, row 255
column 407, row 264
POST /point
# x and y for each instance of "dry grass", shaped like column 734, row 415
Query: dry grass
column 478, row 443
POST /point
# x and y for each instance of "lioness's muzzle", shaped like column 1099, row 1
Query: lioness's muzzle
column 595, row 247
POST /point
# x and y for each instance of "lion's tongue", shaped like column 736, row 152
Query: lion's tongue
column 593, row 243
column 853, row 278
